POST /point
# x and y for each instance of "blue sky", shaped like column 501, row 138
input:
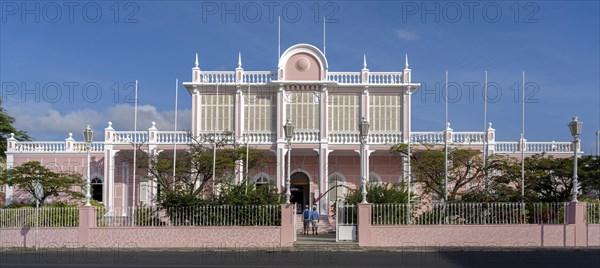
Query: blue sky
column 63, row 65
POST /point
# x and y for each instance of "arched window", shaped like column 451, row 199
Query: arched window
column 262, row 179
column 97, row 188
column 374, row 177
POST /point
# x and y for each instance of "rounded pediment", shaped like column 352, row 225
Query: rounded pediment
column 302, row 62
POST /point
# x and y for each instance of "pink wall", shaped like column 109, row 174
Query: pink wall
column 172, row 237
column 48, row 237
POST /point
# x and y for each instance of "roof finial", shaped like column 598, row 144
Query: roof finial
column 406, row 61
column 364, row 61
column 196, row 59
column 239, row 59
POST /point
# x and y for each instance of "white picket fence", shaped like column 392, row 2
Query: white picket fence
column 46, row 217
column 469, row 213
column 216, row 215
column 592, row 215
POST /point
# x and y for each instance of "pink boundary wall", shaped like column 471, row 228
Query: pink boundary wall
column 576, row 233
column 88, row 235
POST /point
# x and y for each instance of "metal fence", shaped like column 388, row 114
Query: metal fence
column 592, row 213
column 468, row 213
column 222, row 215
column 346, row 214
column 46, row 217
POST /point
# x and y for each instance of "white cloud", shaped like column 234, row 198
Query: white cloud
column 407, row 34
column 43, row 121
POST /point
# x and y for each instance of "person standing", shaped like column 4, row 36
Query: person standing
column 314, row 219
column 306, row 219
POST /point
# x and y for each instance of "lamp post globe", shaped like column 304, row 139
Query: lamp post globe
column 575, row 127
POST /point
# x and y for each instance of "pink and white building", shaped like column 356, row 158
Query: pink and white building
column 325, row 107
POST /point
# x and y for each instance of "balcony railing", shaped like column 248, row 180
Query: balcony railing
column 169, row 137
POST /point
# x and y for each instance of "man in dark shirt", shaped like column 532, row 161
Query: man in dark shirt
column 306, row 219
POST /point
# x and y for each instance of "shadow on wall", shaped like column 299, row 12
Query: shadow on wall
column 24, row 232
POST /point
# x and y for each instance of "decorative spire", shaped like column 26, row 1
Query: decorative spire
column 196, row 60
column 239, row 59
column 406, row 61
column 364, row 61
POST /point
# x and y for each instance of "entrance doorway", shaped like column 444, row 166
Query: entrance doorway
column 300, row 190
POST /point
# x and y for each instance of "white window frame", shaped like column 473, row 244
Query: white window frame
column 303, row 110
column 260, row 111
column 209, row 112
column 343, row 113
column 385, row 111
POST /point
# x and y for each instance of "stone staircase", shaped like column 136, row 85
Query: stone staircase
column 324, row 226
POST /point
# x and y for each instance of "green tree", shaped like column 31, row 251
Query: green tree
column 6, row 128
column 465, row 168
column 588, row 173
column 194, row 171
column 380, row 193
column 547, row 179
column 27, row 175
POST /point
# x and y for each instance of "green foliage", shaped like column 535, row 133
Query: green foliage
column 428, row 168
column 588, row 173
column 27, row 175
column 251, row 194
column 6, row 128
column 57, row 215
column 380, row 193
column 192, row 182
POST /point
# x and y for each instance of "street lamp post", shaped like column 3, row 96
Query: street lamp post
column 575, row 128
column 88, row 136
column 363, row 128
column 288, row 128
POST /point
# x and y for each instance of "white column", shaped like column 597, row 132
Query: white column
column 9, row 189
column 109, row 167
column 239, row 114
column 196, row 107
column 323, row 178
column 281, row 166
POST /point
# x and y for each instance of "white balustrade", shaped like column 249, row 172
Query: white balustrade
column 130, row 136
column 40, row 146
column 385, row 77
column 345, row 77
column 507, row 146
column 258, row 77
column 259, row 137
column 80, row 146
column 468, row 137
column 344, row 138
column 539, row 147
column 389, row 138
column 169, row 137
column 427, row 137
column 218, row 76
column 306, row 136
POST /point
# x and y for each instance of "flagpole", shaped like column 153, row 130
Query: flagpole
column 215, row 124
column 134, row 148
column 247, row 136
column 485, row 136
column 324, row 53
column 174, row 131
column 278, row 37
column 523, row 147
column 446, row 142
